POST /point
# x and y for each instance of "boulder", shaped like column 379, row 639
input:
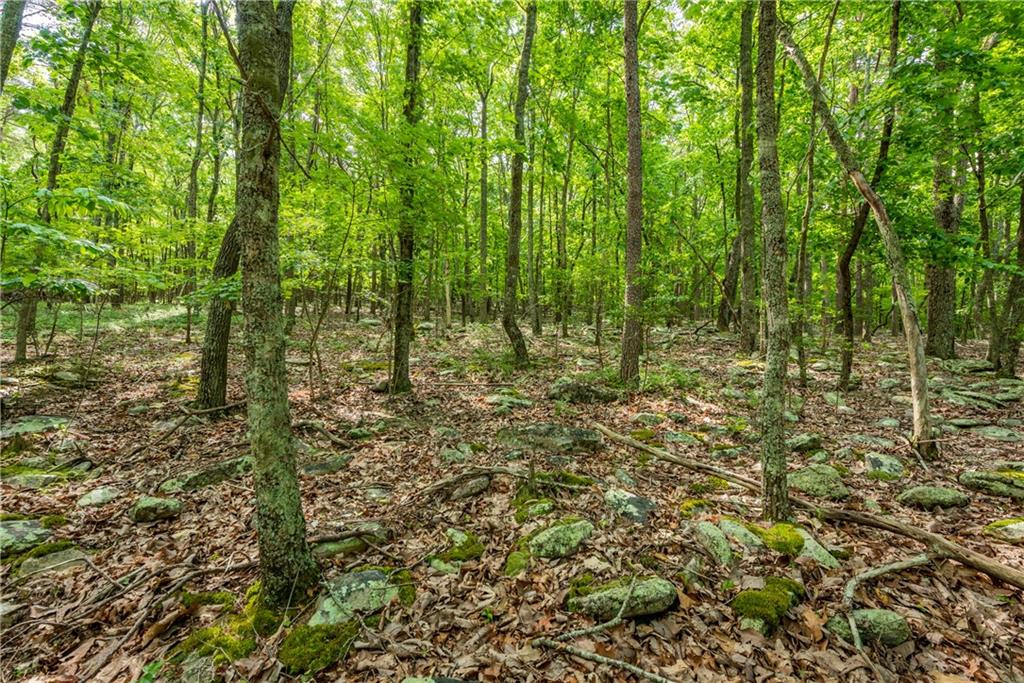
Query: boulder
column 100, row 496
column 209, row 476
column 820, row 481
column 815, row 551
column 507, row 401
column 471, row 487
column 577, row 391
column 874, row 625
column 931, row 497
column 360, row 592
column 996, row 433
column 1004, row 483
column 646, row 596
column 888, row 423
column 554, row 438
column 741, row 534
column 328, row 465
column 647, row 419
column 714, row 541
column 561, row 539
column 803, row 443
column 32, row 424
column 152, row 509
column 60, row 561
column 883, row 466
column 20, row 535
column 873, row 441
column 633, row 507
column 33, row 480
column 1007, row 530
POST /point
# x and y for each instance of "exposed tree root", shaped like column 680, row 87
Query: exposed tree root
column 938, row 546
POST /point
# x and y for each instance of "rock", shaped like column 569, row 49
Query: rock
column 451, row 456
column 33, row 480
column 516, row 563
column 1007, row 530
column 361, row 592
column 834, row 399
column 889, row 383
column 873, row 441
column 1005, row 483
column 888, row 423
column 508, row 400
column 60, row 561
column 373, row 531
column 11, row 613
column 714, row 541
column 623, row 476
column 471, row 487
column 632, row 507
column 762, row 609
column 648, row 596
column 931, row 497
column 32, row 424
column 100, row 496
column 151, row 509
column 329, row 465
column 561, row 539
column 803, row 443
column 874, row 625
column 578, row 391
column 820, row 481
column 465, row 545
column 820, row 458
column 67, row 377
column 998, row 433
column 647, row 419
column 816, row 551
column 210, row 476
column 425, row 326
column 20, row 535
column 550, row 437
column 968, row 422
column 740, row 534
column 684, row 438
column 883, row 466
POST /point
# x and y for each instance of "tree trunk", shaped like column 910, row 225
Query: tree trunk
column 775, row 291
column 940, row 273
column 10, row 29
column 287, row 569
column 213, row 366
column 192, row 194
column 1013, row 308
column 632, row 328
column 483, row 299
column 745, row 199
column 515, row 206
column 400, row 382
column 923, row 437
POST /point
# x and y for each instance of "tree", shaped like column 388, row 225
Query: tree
column 287, row 568
column 10, row 28
column 400, row 381
column 632, row 330
column 773, row 222
column 745, row 199
column 515, row 206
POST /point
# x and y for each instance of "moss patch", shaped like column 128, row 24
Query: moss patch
column 13, row 516
column 782, row 538
column 233, row 636
column 693, row 506
column 769, row 604
column 52, row 521
column 709, row 485
column 465, row 546
column 14, row 561
column 517, row 562
column 309, row 649
column 1005, row 522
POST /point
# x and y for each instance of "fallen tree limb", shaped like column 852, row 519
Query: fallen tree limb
column 874, row 573
column 938, row 546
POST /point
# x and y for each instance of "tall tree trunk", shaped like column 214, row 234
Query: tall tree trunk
column 844, row 282
column 402, row 336
column 192, row 194
column 27, row 310
column 213, row 365
column 773, row 222
column 515, row 206
column 745, row 198
column 287, row 569
column 10, row 29
column 940, row 273
column 923, row 437
column 531, row 268
column 632, row 327
column 483, row 305
column 1012, row 320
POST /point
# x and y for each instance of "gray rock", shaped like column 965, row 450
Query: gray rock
column 210, row 476
column 931, row 497
column 20, row 535
column 550, row 437
column 874, row 625
column 1007, row 484
column 578, row 391
column 820, row 458
column 804, row 443
column 633, row 507
column 471, row 487
column 648, row 596
column 714, row 541
column 873, row 441
column 452, row 455
column 741, row 534
column 508, row 401
column 10, row 613
column 623, row 476
column 648, row 419
column 60, row 561
column 363, row 592
column 816, row 551
column 888, row 423
column 560, row 539
column 328, row 465
column 998, row 434
column 684, row 438
column 968, row 422
column 152, row 509
column 889, row 383
column 32, row 424
column 33, row 481
column 1007, row 530
column 820, row 481
column 100, row 496
column 883, row 466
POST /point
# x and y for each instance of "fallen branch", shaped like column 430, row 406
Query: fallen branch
column 938, row 545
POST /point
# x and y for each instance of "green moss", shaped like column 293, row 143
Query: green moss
column 782, row 538
column 770, row 603
column 309, row 649
column 645, row 434
column 13, row 516
column 709, row 485
column 1012, row 474
column 399, row 578
column 14, row 561
column 580, row 586
column 1004, row 522
column 693, row 506
column 517, row 562
column 191, row 600
column 880, row 475
column 52, row 521
column 233, row 636
column 466, row 546
column 785, row 584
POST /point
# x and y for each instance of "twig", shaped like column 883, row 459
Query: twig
column 612, row 623
column 601, row 659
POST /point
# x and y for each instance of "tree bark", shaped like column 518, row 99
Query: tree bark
column 745, row 199
column 287, row 568
column 192, row 193
column 774, row 288
column 632, row 328
column 483, row 299
column 213, row 366
column 10, row 29
column 1013, row 309
column 515, row 206
column 923, row 437
column 400, row 382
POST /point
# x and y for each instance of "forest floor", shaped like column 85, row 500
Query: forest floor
column 116, row 611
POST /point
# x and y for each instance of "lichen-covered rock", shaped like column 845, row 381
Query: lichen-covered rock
column 59, row 561
column 561, row 539
column 741, row 534
column 872, row 441
column 465, row 545
column 815, row 551
column 549, row 437
column 650, row 595
column 359, row 592
column 471, row 487
column 20, row 535
column 507, row 401
column 33, row 480
column 32, row 424
column 209, row 476
column 1007, row 530
column 1006, row 483
column 931, row 497
column 888, row 423
column 874, row 625
column 368, row 531
column 883, row 466
column 152, row 509
column 648, row 419
column 803, row 443
column 99, row 496
column 632, row 507
column 820, row 481
column 516, row 563
column 577, row 391
column 714, row 541
column 328, row 465
column 997, row 433
column 762, row 609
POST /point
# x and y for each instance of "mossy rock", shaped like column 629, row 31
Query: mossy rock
column 561, row 539
column 883, row 466
column 517, row 562
column 708, row 485
column 804, row 443
column 762, row 609
column 1007, row 530
column 736, row 530
column 529, row 507
column 783, row 538
column 32, row 424
column 42, row 549
column 820, row 481
column 553, row 438
column 931, row 497
column 1006, row 483
column 578, row 391
column 646, row 596
column 234, row 636
column 152, row 509
column 99, row 496
column 364, row 591
column 465, row 546
column 691, row 507
column 632, row 507
column 714, row 541
column 874, row 625
column 308, row 649
column 20, row 535
column 209, row 476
